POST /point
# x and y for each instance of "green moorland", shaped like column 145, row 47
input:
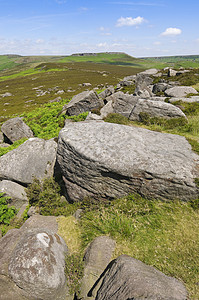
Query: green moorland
column 162, row 234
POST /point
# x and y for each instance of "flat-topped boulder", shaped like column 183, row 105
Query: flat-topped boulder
column 158, row 109
column 104, row 160
column 34, row 158
column 15, row 129
column 180, row 91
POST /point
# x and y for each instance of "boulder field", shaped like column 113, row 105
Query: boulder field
column 102, row 161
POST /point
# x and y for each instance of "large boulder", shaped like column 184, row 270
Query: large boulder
column 15, row 129
column 32, row 267
column 129, row 278
column 180, row 91
column 155, row 109
column 15, row 192
column 150, row 72
column 119, row 103
column 85, row 101
column 34, row 158
column 160, row 87
column 37, row 265
column 105, row 160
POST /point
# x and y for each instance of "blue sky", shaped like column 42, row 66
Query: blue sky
column 62, row 27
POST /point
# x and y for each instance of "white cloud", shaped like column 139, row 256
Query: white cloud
column 171, row 32
column 100, row 45
column 129, row 21
column 156, row 43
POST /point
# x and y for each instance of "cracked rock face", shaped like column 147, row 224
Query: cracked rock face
column 37, row 264
column 105, row 160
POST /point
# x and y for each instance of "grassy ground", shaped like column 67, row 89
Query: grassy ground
column 52, row 77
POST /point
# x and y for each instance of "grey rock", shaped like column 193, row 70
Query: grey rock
column 143, row 80
column 86, row 84
column 21, row 211
column 107, row 92
column 7, row 94
column 171, row 73
column 155, row 109
column 119, row 103
column 38, row 261
column 129, row 278
column 150, row 72
column 58, row 99
column 34, row 158
column 157, row 98
column 97, row 257
column 15, row 191
column 105, row 160
column 85, row 101
column 182, row 72
column 1, row 138
column 15, row 129
column 160, row 87
column 33, row 264
column 184, row 99
column 125, row 83
column 92, row 116
column 129, row 78
column 180, row 91
column 4, row 145
column 33, row 210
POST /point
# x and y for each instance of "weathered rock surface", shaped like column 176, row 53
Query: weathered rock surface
column 105, row 160
column 33, row 264
column 97, row 257
column 180, row 91
column 1, row 137
column 150, row 72
column 37, row 265
column 160, row 87
column 34, row 158
column 155, row 109
column 184, row 99
column 119, row 103
column 85, row 101
column 15, row 129
column 129, row 278
column 92, row 116
column 15, row 191
column 107, row 92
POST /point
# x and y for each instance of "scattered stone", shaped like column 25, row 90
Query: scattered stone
column 180, row 91
column 6, row 95
column 92, row 116
column 171, row 72
column 58, row 99
column 155, row 109
column 129, row 278
column 150, row 72
column 15, row 191
column 15, row 129
column 34, row 158
column 97, row 257
column 60, row 92
column 86, row 84
column 105, row 160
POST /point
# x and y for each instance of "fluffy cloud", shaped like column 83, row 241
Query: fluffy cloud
column 171, row 32
column 129, row 21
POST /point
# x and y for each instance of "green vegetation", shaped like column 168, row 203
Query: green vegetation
column 46, row 121
column 4, row 150
column 6, row 212
column 74, row 270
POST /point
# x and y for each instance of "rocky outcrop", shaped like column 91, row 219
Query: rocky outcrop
column 180, row 91
column 34, row 158
column 158, row 109
column 15, row 192
column 32, row 267
column 129, row 278
column 85, row 101
column 15, row 129
column 105, row 160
